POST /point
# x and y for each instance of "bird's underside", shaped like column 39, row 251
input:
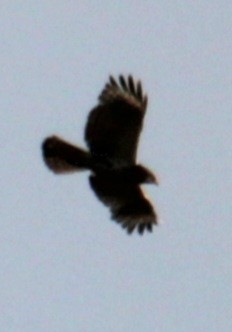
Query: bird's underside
column 112, row 134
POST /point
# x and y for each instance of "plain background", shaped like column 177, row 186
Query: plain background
column 64, row 265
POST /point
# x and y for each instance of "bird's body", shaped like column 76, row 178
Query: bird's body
column 112, row 134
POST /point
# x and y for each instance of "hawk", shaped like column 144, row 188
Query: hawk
column 112, row 133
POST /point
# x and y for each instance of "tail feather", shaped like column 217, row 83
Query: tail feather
column 63, row 157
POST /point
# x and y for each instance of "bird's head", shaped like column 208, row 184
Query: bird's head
column 143, row 175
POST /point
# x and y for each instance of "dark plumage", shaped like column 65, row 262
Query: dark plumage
column 112, row 133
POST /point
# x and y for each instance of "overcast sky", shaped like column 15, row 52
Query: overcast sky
column 64, row 265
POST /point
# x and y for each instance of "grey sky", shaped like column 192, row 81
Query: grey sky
column 64, row 265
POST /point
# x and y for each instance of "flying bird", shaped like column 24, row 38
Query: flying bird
column 112, row 134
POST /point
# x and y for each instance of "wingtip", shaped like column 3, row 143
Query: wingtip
column 124, row 86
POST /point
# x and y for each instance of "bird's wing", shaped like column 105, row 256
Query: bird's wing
column 113, row 127
column 127, row 203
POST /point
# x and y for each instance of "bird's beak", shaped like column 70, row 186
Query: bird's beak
column 152, row 179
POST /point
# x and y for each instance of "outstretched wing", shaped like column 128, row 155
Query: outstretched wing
column 127, row 203
column 113, row 127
